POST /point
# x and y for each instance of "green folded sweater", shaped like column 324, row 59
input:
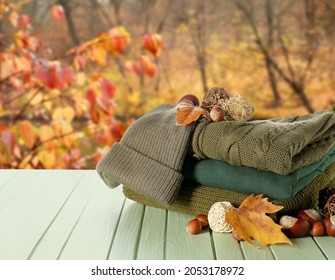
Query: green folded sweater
column 194, row 198
column 248, row 180
column 280, row 145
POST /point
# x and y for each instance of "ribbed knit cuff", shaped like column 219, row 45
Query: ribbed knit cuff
column 147, row 176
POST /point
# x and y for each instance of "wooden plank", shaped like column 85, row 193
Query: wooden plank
column 6, row 175
column 252, row 253
column 152, row 239
column 92, row 236
column 124, row 245
column 56, row 235
column 302, row 249
column 327, row 246
column 226, row 247
column 182, row 245
column 25, row 218
column 12, row 186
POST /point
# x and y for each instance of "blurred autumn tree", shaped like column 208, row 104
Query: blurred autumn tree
column 279, row 54
column 41, row 98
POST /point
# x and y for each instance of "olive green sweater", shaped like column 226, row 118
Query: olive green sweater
column 280, row 145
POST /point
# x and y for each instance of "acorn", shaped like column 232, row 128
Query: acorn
column 310, row 215
column 190, row 98
column 194, row 226
column 203, row 220
column 217, row 113
column 329, row 222
column 318, row 229
column 294, row 227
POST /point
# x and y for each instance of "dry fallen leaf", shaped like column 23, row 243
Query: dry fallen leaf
column 187, row 113
column 251, row 222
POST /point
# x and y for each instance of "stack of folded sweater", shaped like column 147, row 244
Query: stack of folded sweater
column 189, row 168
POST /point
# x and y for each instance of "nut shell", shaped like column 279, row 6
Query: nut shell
column 190, row 98
column 318, row 229
column 329, row 222
column 193, row 226
column 203, row 220
column 310, row 215
column 294, row 227
column 217, row 114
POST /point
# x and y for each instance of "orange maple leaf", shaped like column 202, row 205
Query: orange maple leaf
column 251, row 222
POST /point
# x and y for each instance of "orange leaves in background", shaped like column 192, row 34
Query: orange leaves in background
column 117, row 129
column 100, row 95
column 52, row 74
column 148, row 66
column 45, row 100
column 26, row 130
column 19, row 20
column 25, row 41
column 57, row 12
column 130, row 66
column 46, row 133
column 113, row 42
column 188, row 113
column 251, row 222
column 7, row 144
column 153, row 44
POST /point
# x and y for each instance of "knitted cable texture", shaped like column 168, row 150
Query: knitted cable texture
column 281, row 145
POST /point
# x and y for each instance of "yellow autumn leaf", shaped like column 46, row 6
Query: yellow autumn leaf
column 45, row 134
column 251, row 222
column 66, row 113
column 64, row 130
column 47, row 159
column 99, row 54
column 26, row 130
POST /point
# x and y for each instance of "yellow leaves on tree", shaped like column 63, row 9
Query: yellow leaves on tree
column 251, row 222
column 113, row 42
column 66, row 113
column 26, row 130
column 46, row 134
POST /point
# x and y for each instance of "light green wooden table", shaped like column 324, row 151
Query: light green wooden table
column 66, row 214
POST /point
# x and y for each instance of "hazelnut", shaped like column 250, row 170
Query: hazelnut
column 310, row 215
column 329, row 222
column 203, row 219
column 217, row 113
column 194, row 226
column 318, row 229
column 294, row 227
column 190, row 98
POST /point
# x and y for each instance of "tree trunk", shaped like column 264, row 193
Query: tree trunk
column 298, row 88
column 69, row 21
column 301, row 93
column 203, row 74
column 271, row 74
column 273, row 84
